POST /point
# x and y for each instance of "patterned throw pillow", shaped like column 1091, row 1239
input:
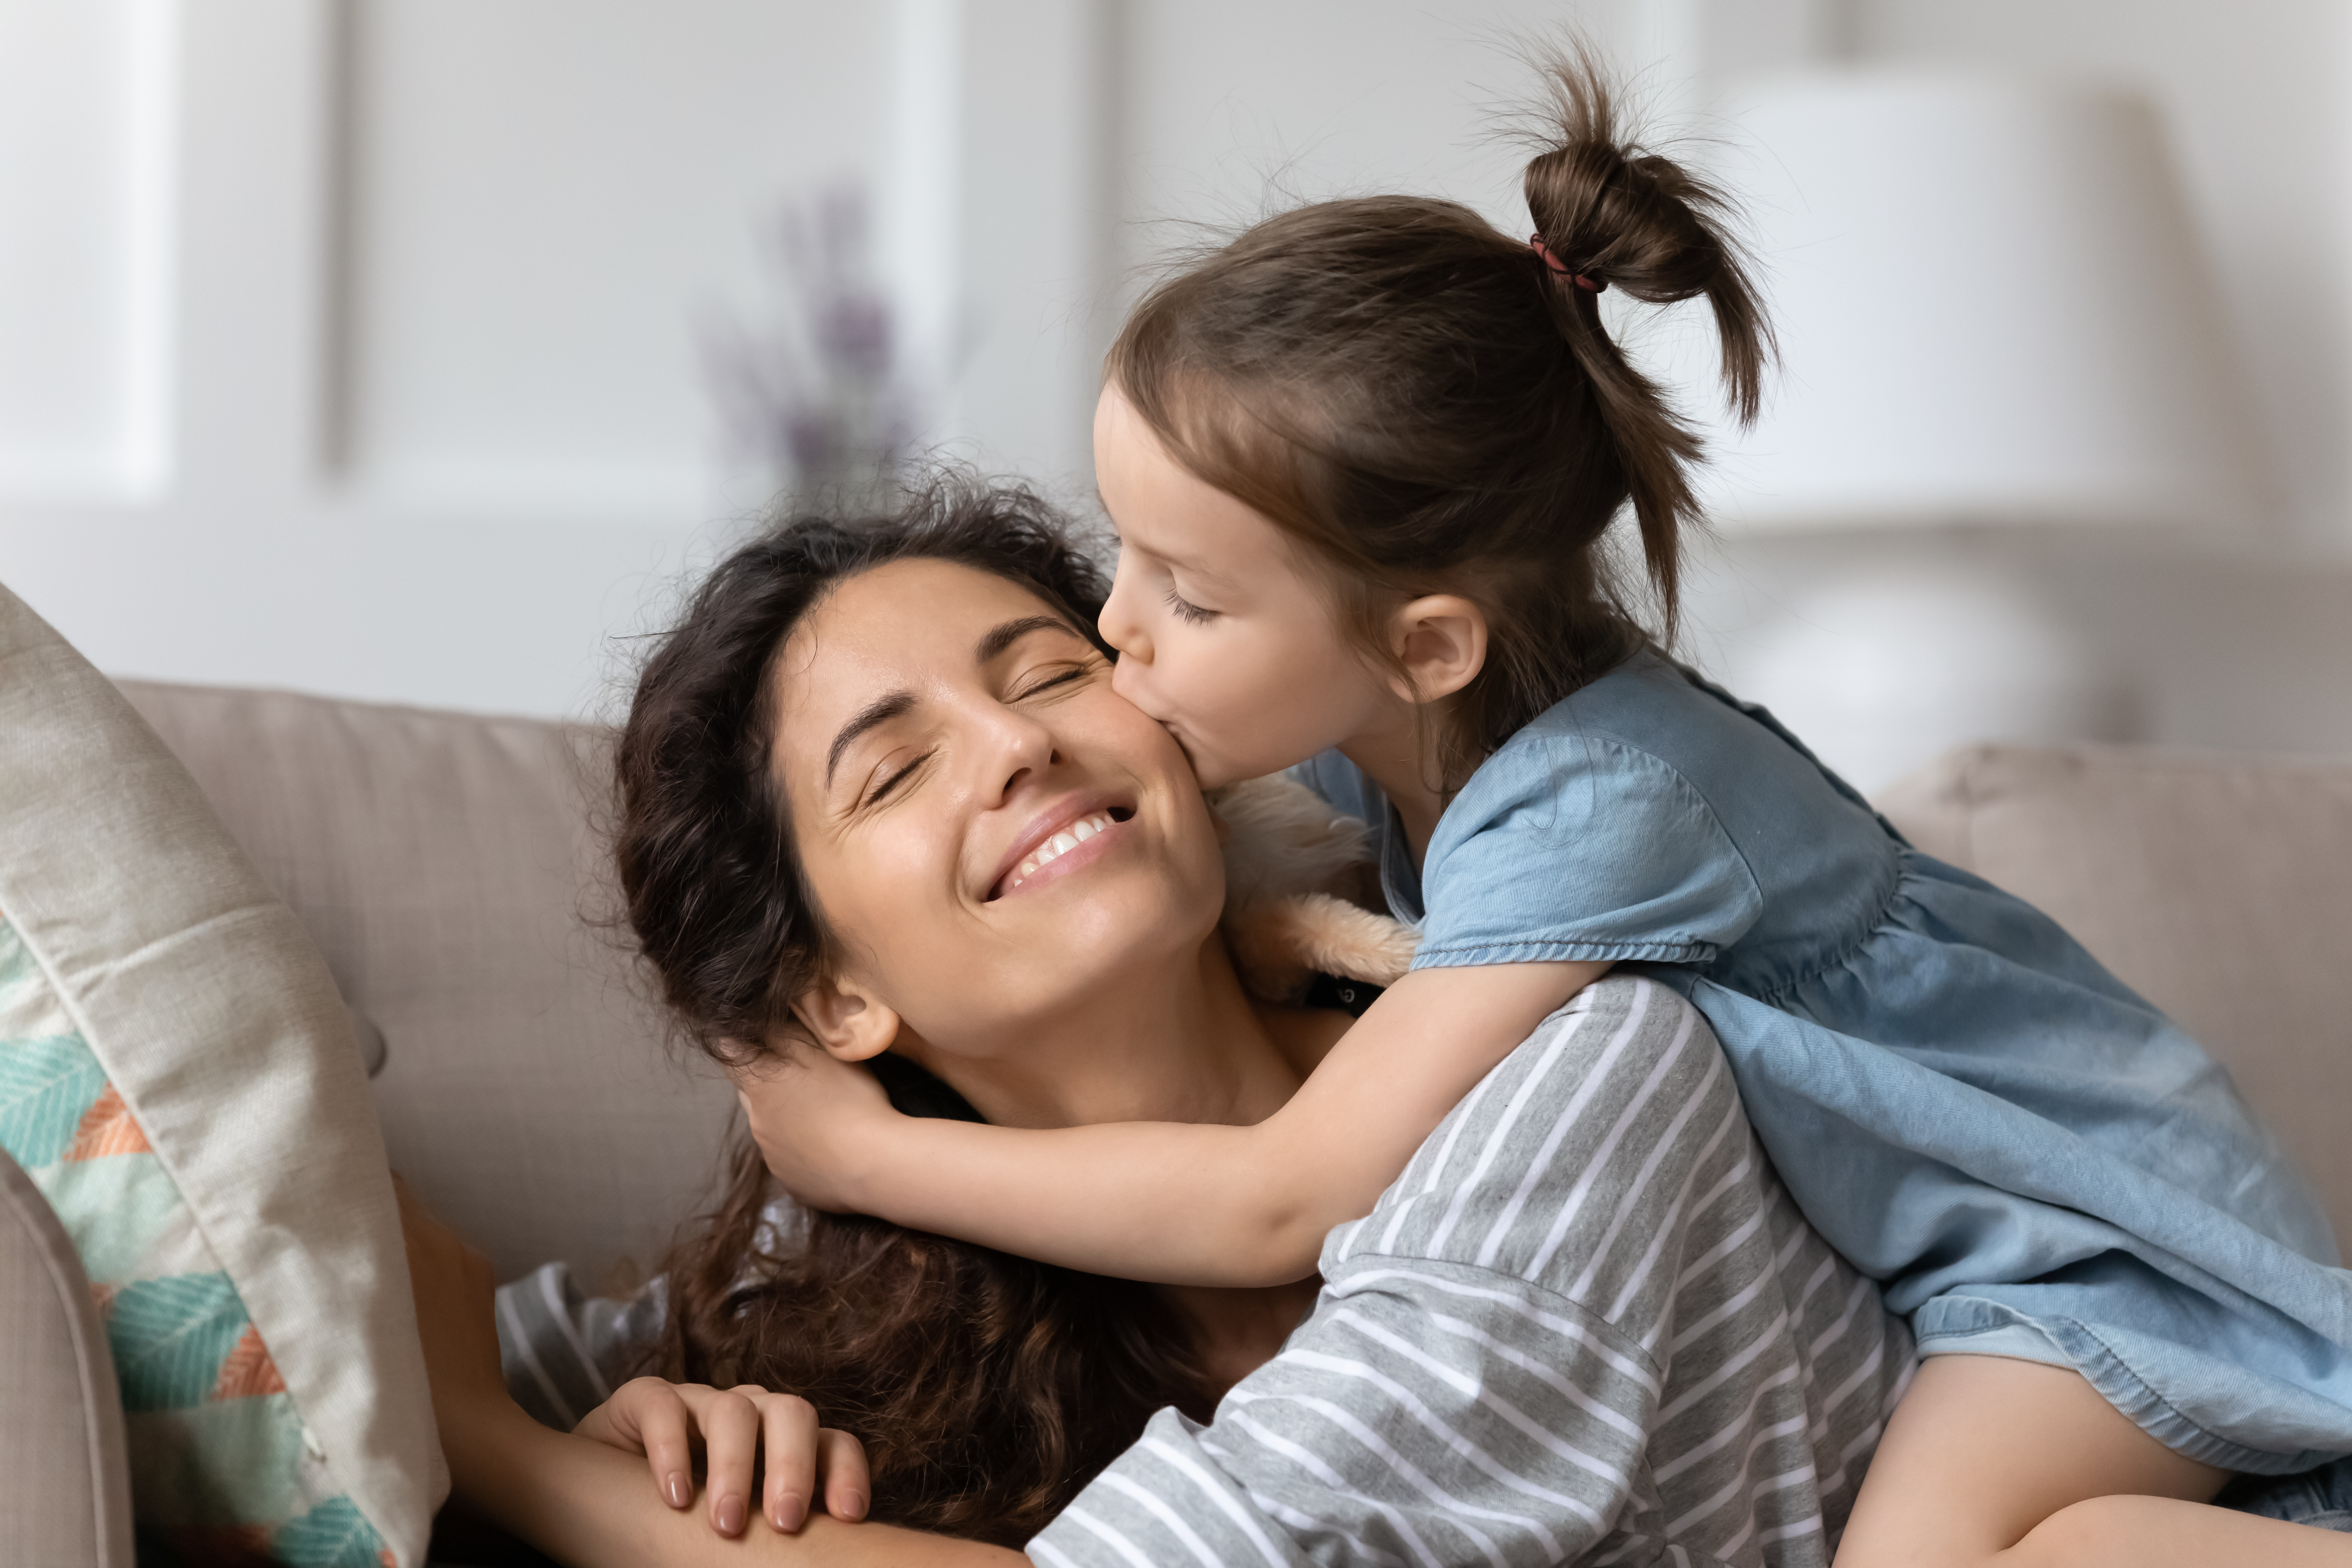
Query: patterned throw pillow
column 221, row 1468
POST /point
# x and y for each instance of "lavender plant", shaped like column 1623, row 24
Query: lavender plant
column 821, row 399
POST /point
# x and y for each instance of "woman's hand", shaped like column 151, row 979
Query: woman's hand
column 662, row 1420
column 816, row 1120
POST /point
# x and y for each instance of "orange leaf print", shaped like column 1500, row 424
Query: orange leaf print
column 106, row 1127
column 248, row 1372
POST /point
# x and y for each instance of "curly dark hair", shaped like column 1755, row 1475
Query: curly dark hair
column 986, row 1388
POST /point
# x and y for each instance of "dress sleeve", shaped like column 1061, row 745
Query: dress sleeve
column 1575, row 846
column 1399, row 1425
column 1342, row 785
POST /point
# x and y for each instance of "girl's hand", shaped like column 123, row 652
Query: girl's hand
column 662, row 1420
column 815, row 1121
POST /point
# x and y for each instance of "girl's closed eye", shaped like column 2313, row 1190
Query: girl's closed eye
column 1187, row 610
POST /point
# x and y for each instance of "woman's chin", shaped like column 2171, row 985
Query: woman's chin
column 1074, row 947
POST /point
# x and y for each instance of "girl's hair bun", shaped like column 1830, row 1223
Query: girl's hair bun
column 1427, row 402
column 1642, row 223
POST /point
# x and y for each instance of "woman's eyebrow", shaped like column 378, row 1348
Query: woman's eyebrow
column 881, row 711
column 1001, row 637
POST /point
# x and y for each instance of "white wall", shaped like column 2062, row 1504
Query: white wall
column 350, row 345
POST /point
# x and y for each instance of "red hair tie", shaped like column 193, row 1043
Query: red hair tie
column 1556, row 265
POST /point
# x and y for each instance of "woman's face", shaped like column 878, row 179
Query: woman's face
column 993, row 836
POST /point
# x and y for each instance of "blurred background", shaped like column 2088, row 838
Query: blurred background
column 418, row 350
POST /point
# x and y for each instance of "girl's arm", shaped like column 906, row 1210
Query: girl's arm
column 1175, row 1203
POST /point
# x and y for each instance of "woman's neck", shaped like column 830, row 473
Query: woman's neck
column 1186, row 1044
column 1177, row 1041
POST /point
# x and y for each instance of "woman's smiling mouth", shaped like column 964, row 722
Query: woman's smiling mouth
column 1066, row 847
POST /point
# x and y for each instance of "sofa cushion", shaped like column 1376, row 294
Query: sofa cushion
column 2218, row 886
column 449, row 867
column 178, row 1076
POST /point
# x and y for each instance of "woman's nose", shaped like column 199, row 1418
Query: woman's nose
column 1020, row 745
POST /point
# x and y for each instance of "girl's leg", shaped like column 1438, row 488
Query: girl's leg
column 1993, row 1463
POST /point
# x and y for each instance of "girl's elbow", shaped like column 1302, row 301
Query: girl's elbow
column 1278, row 1250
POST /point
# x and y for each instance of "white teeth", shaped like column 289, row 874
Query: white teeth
column 1061, row 843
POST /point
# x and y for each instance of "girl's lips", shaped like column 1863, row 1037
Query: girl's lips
column 1078, row 843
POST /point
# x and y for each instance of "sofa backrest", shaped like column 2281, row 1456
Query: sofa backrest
column 2217, row 885
column 444, row 862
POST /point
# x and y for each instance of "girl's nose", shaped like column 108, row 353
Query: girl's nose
column 1119, row 626
column 1126, row 679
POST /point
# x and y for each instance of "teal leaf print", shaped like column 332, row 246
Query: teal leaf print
column 46, row 1084
column 170, row 1336
column 332, row 1535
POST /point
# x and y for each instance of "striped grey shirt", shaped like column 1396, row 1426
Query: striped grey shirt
column 563, row 1353
column 1586, row 1325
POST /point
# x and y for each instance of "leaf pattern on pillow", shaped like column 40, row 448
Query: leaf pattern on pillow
column 219, row 1470
column 170, row 1337
column 46, row 1084
column 332, row 1535
column 106, row 1127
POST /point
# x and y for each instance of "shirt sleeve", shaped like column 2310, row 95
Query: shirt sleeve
column 563, row 1353
column 1433, row 1414
column 1575, row 846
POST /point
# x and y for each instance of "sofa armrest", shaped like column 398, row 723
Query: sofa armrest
column 64, row 1488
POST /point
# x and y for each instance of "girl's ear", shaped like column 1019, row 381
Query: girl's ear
column 850, row 1022
column 1440, row 643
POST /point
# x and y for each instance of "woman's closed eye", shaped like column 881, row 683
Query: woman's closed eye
column 895, row 772
column 890, row 778
column 1053, row 680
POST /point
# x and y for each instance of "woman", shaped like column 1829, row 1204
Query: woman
column 1586, row 1324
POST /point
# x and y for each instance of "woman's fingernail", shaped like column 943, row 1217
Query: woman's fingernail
column 791, row 1514
column 677, row 1489
column 728, row 1515
column 853, row 1506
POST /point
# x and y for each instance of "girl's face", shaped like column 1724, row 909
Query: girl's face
column 993, row 836
column 1225, row 633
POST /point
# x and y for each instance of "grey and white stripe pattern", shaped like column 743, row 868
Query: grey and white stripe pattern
column 563, row 1353
column 1586, row 1325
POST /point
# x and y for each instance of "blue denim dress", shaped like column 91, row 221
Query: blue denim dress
column 2031, row 1160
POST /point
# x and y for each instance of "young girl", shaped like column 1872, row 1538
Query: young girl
column 1363, row 461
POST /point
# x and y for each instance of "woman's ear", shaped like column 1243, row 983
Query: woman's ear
column 850, row 1022
column 1440, row 643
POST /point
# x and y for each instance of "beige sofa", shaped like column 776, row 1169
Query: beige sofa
column 447, row 867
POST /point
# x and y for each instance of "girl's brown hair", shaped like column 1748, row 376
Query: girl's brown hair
column 987, row 1389
column 1427, row 404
